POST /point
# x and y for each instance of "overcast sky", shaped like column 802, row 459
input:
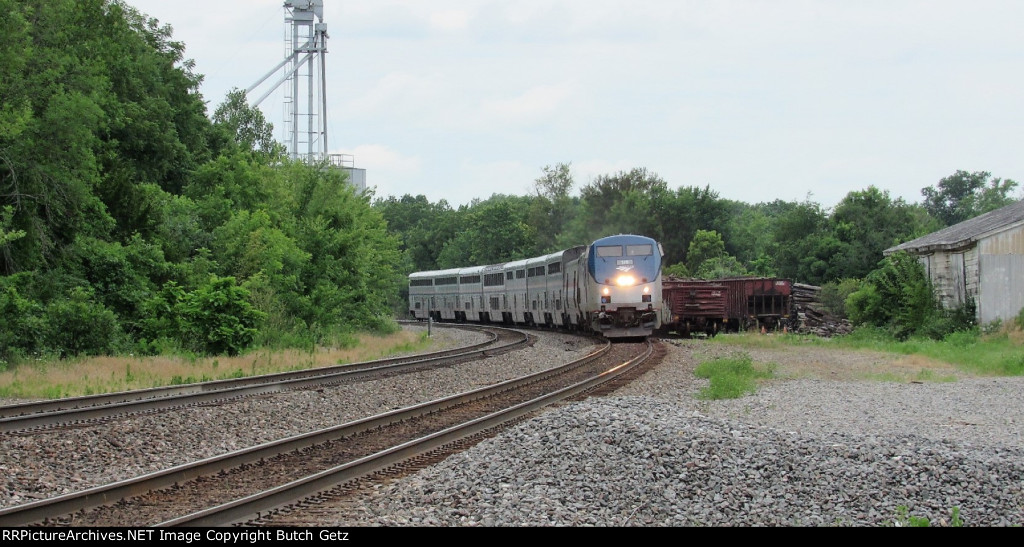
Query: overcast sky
column 758, row 99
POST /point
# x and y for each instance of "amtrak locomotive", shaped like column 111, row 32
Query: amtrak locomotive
column 611, row 287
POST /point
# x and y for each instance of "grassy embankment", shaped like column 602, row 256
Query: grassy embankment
column 48, row 379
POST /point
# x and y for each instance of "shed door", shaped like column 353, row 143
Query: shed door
column 957, row 279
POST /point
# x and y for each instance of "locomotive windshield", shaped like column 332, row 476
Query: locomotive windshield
column 608, row 251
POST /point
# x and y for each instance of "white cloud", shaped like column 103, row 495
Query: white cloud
column 534, row 105
column 386, row 160
column 483, row 179
column 449, row 20
column 387, row 170
column 397, row 93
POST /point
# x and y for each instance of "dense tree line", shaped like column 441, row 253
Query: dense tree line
column 130, row 220
column 704, row 235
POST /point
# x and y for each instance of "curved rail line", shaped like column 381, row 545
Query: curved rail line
column 250, row 510
column 34, row 415
column 250, row 506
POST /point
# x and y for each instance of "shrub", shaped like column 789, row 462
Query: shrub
column 21, row 325
column 218, row 317
column 963, row 338
column 992, row 327
column 834, row 294
column 162, row 322
column 678, row 269
column 898, row 295
column 81, row 325
column 943, row 323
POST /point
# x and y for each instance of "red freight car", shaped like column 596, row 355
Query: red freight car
column 758, row 302
column 730, row 304
column 694, row 305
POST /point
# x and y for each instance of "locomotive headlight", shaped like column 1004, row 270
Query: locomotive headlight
column 647, row 290
column 606, row 291
column 625, row 281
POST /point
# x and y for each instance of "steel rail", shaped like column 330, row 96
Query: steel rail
column 70, row 503
column 252, row 506
column 47, row 413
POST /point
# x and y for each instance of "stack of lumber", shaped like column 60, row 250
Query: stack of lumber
column 812, row 317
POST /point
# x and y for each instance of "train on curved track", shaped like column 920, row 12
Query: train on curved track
column 612, row 287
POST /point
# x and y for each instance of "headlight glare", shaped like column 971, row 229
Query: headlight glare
column 625, row 281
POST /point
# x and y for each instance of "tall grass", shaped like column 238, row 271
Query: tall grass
column 53, row 378
column 997, row 354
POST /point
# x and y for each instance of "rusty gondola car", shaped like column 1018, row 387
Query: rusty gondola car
column 694, row 305
column 726, row 305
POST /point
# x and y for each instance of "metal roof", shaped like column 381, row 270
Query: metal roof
column 965, row 233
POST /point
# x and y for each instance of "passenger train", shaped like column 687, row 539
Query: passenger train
column 611, row 287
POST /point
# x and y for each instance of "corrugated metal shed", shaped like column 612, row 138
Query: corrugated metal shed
column 965, row 233
column 981, row 259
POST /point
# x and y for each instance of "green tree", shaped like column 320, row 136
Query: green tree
column 119, row 276
column 707, row 258
column 962, row 196
column 678, row 215
column 678, row 269
column 22, row 328
column 235, row 182
column 485, row 241
column 865, row 223
column 247, row 126
column 78, row 324
column 747, row 232
column 99, row 111
column 552, row 209
column 721, row 267
column 421, row 227
column 352, row 276
column 619, row 203
column 114, row 183
column 706, row 244
column 801, row 244
column 7, row 235
column 249, row 243
column 556, row 183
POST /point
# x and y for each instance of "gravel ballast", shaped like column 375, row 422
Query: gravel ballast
column 801, row 451
column 46, row 464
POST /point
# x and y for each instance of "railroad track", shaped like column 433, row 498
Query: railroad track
column 78, row 411
column 234, row 488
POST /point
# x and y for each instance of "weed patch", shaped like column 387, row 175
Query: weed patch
column 732, row 377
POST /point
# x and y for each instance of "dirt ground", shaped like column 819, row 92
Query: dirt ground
column 817, row 362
